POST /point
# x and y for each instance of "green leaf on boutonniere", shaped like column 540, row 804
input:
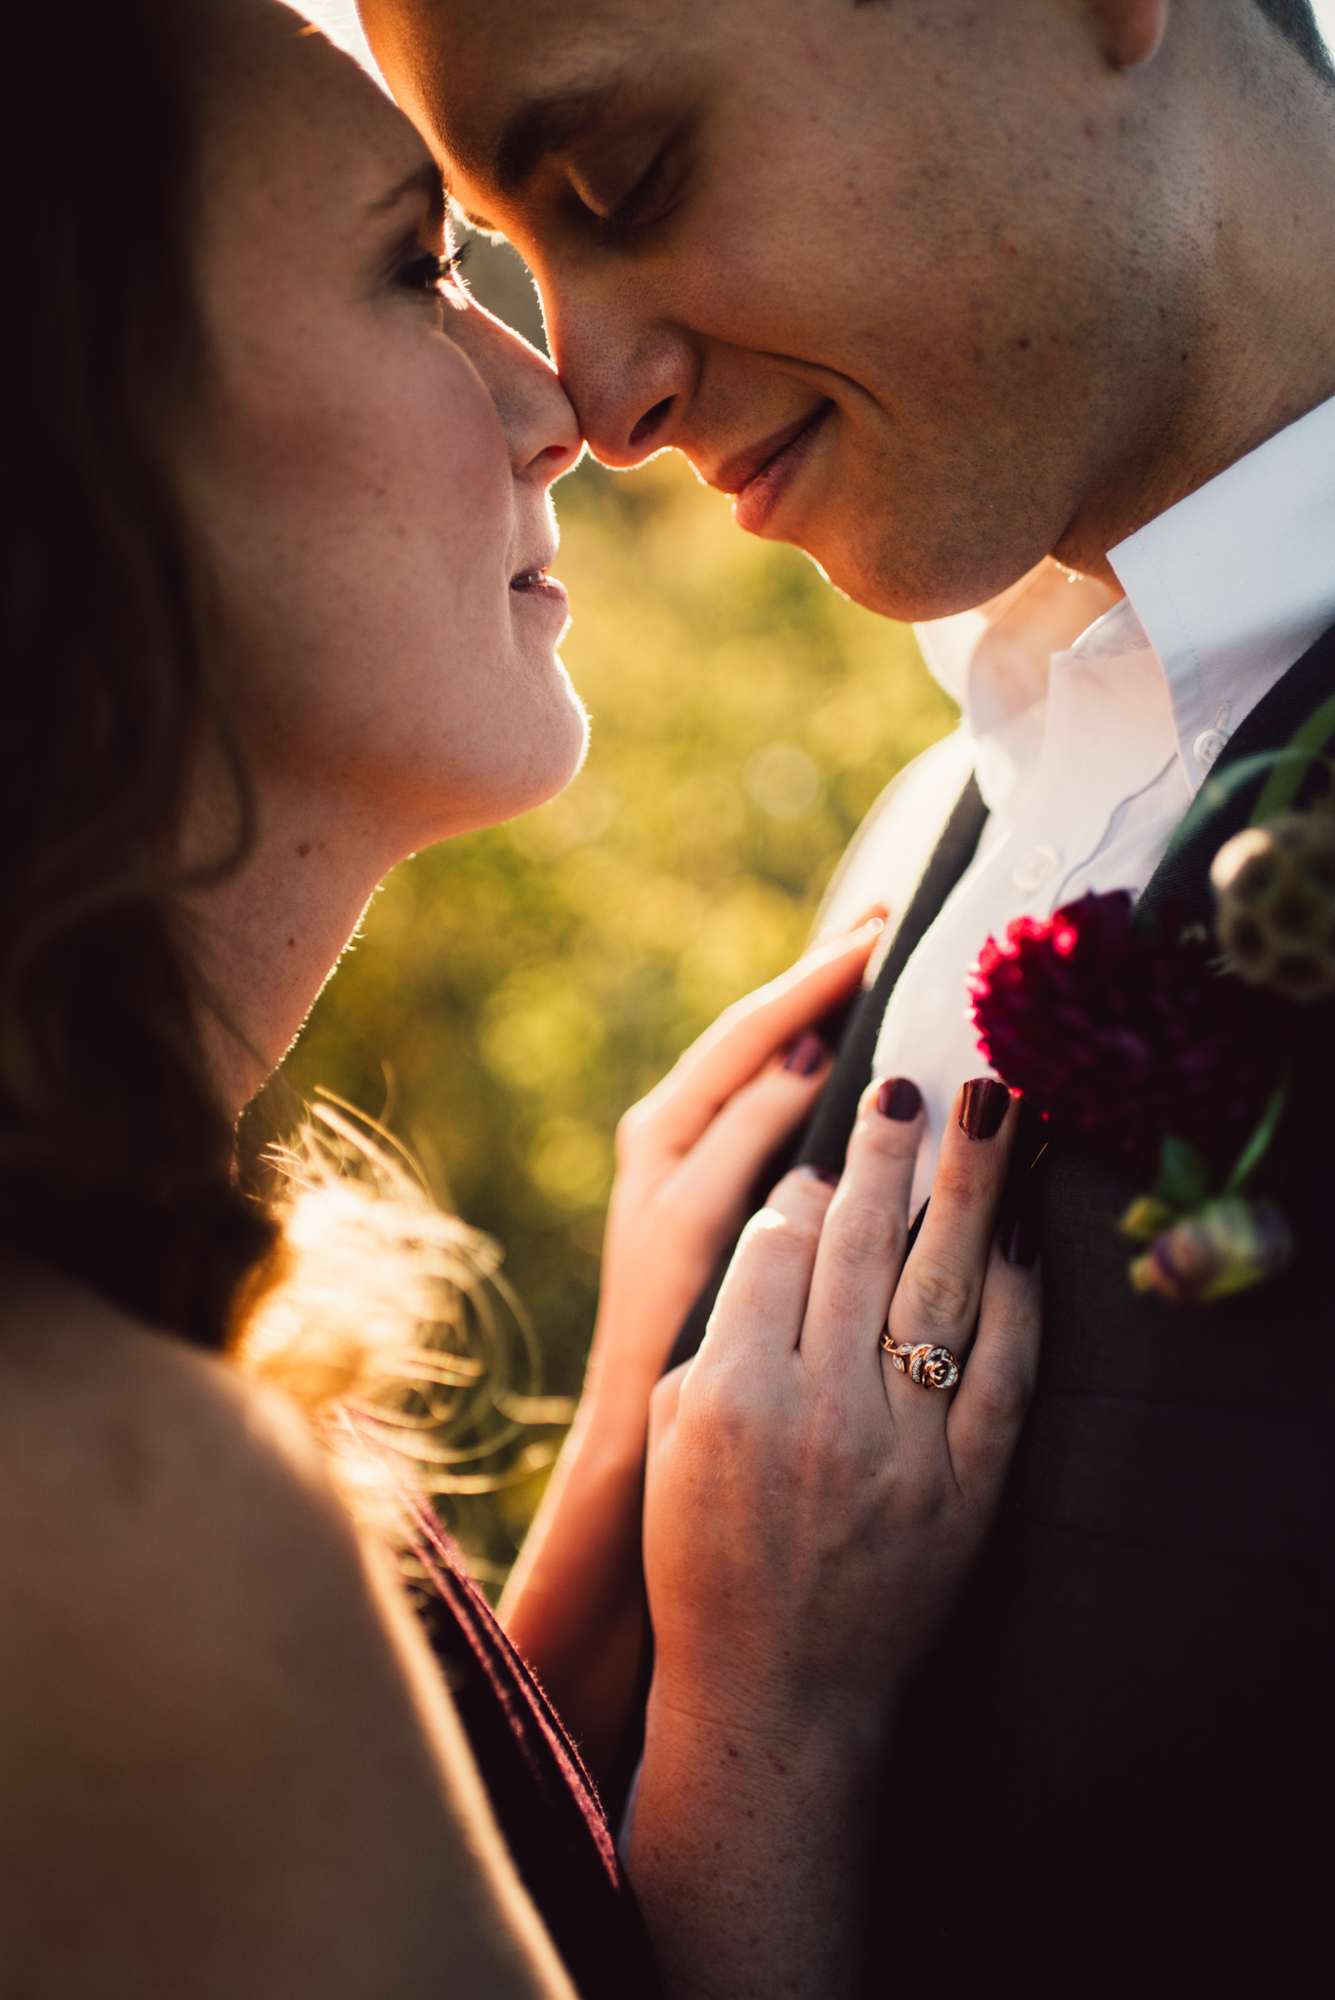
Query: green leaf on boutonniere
column 1183, row 1186
column 1308, row 740
column 1202, row 1249
column 1184, row 1177
column 1258, row 1145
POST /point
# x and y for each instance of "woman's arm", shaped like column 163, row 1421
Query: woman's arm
column 811, row 1516
column 688, row 1157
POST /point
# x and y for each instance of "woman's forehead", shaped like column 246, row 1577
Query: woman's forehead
column 288, row 107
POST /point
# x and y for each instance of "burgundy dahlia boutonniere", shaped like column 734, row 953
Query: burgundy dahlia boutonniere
column 1126, row 1033
column 1164, row 1046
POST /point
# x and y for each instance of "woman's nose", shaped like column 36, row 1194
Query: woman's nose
column 541, row 430
column 629, row 372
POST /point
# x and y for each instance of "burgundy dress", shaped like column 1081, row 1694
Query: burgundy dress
column 544, row 1800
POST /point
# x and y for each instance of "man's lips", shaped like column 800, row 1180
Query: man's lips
column 739, row 471
column 758, row 476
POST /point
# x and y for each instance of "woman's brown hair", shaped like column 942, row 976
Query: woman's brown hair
column 116, row 1157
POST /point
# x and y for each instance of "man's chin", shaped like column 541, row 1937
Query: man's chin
column 914, row 586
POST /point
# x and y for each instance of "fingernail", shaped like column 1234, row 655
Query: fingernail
column 1021, row 1242
column 806, row 1055
column 985, row 1104
column 819, row 1172
column 899, row 1099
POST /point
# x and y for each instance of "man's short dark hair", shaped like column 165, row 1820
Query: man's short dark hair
column 1296, row 22
column 1295, row 19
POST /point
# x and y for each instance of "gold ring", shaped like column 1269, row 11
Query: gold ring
column 931, row 1367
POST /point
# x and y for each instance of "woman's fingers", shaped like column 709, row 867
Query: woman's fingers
column 710, row 1187
column 663, row 1404
column 940, row 1287
column 983, row 1422
column 761, row 1303
column 743, row 1039
column 862, row 1243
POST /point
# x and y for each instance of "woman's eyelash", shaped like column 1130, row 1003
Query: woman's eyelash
column 429, row 271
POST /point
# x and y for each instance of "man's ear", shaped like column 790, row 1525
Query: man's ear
column 1129, row 31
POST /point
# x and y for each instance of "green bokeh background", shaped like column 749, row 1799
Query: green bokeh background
column 513, row 991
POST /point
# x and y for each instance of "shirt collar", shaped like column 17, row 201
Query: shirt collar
column 1228, row 587
column 1234, row 583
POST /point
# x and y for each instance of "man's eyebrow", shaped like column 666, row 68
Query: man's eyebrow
column 424, row 179
column 545, row 125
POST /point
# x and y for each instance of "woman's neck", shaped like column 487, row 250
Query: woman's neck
column 268, row 935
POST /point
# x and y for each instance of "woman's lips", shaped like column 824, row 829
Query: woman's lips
column 536, row 586
column 760, row 481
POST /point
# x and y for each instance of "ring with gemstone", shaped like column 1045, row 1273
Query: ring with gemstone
column 931, row 1367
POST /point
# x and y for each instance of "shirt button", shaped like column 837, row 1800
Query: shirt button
column 1035, row 867
column 1208, row 745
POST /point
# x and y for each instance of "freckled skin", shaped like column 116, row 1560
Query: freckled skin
column 1038, row 262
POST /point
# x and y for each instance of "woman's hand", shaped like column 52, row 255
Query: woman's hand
column 689, row 1155
column 811, row 1514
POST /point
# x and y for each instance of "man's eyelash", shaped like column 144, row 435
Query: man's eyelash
column 633, row 206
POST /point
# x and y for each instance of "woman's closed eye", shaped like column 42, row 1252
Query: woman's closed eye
column 430, row 271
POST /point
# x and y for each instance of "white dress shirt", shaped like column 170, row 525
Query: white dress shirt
column 1088, row 757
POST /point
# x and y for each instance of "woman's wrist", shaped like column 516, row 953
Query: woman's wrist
column 749, row 1842
column 770, row 1728
column 620, row 1379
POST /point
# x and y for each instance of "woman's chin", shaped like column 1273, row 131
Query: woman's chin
column 539, row 769
column 558, row 757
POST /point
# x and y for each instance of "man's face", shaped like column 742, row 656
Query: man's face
column 902, row 277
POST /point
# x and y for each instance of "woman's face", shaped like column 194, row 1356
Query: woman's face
column 372, row 479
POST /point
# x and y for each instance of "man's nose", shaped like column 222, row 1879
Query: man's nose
column 629, row 381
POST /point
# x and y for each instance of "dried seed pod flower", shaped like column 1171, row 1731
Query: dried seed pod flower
column 1275, row 898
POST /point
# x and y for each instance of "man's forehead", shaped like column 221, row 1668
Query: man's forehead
column 517, row 80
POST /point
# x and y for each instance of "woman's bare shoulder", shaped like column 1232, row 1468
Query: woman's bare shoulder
column 102, row 1416
column 224, row 1758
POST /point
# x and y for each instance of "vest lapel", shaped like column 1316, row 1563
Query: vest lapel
column 825, row 1140
column 1184, row 874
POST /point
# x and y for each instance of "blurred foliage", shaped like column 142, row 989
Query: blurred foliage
column 513, row 991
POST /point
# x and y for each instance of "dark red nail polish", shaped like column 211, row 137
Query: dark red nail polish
column 899, row 1099
column 985, row 1105
column 1020, row 1244
column 806, row 1055
column 820, row 1172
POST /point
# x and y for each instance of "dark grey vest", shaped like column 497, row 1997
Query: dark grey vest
column 1113, row 1775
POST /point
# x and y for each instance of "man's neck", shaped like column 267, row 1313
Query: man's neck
column 1255, row 336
